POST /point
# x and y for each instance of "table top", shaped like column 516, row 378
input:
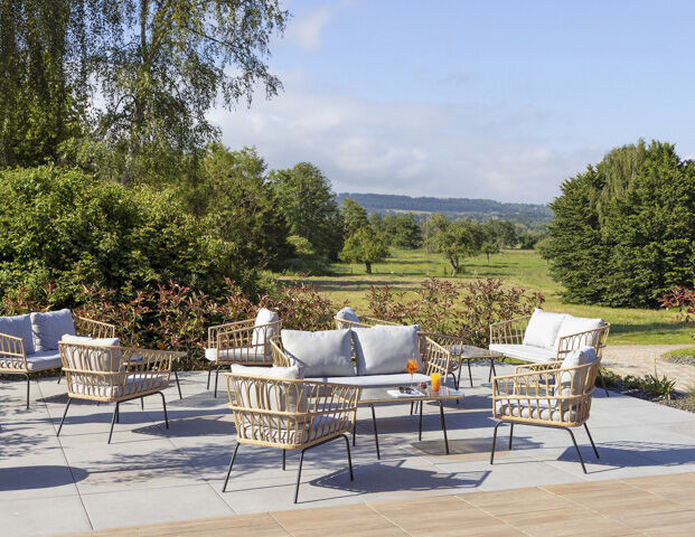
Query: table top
column 471, row 351
column 373, row 396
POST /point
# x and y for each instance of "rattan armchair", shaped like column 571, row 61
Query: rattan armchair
column 290, row 414
column 512, row 333
column 113, row 374
column 14, row 359
column 546, row 395
column 241, row 342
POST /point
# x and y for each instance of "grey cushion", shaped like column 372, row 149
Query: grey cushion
column 385, row 349
column 536, row 409
column 324, row 353
column 376, row 381
column 290, row 430
column 274, row 395
column 19, row 326
column 525, row 353
column 96, row 359
column 49, row 327
column 138, row 383
column 347, row 314
column 256, row 354
column 264, row 317
column 40, row 361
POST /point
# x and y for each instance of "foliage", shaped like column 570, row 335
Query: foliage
column 682, row 300
column 306, row 200
column 650, row 386
column 490, row 247
column 453, row 308
column 364, row 246
column 503, row 232
column 354, row 216
column 623, row 230
column 400, row 230
column 455, row 240
column 66, row 228
column 301, row 307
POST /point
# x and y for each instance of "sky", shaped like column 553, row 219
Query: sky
column 481, row 99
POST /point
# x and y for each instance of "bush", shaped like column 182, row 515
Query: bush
column 460, row 309
column 70, row 229
column 622, row 233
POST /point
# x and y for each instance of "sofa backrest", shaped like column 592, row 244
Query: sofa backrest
column 545, row 329
column 49, row 327
column 19, row 326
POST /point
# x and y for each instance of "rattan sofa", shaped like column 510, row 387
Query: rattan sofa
column 288, row 413
column 546, row 337
column 241, row 342
column 556, row 394
column 29, row 343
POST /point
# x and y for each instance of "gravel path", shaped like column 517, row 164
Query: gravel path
column 638, row 360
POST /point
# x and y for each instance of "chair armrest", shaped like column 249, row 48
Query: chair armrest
column 213, row 330
column 341, row 324
column 509, row 332
column 148, row 361
column 12, row 355
column 95, row 329
column 436, row 359
column 280, row 359
column 538, row 367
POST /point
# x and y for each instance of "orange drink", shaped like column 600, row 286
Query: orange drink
column 436, row 379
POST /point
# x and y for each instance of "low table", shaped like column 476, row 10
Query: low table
column 380, row 396
column 468, row 353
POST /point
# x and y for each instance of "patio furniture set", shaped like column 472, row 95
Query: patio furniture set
column 295, row 390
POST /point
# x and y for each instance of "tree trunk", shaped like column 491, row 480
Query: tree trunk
column 369, row 267
column 454, row 267
column 488, row 258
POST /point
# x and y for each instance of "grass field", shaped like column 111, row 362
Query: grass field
column 405, row 269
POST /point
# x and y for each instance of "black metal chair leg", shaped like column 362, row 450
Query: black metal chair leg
column 586, row 427
column 511, row 434
column 284, row 459
column 64, row 414
column 217, row 376
column 494, row 441
column 376, row 433
column 178, row 384
column 59, row 377
column 470, row 374
column 209, row 373
column 164, row 404
column 603, row 383
column 354, row 432
column 419, row 424
column 28, row 388
column 142, row 403
column 347, row 445
column 576, row 447
column 412, row 403
column 113, row 421
column 441, row 415
column 492, row 370
column 118, row 414
column 299, row 476
column 229, row 471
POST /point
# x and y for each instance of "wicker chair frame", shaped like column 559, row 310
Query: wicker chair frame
column 111, row 374
column 535, row 387
column 13, row 359
column 512, row 333
column 238, row 338
column 290, row 414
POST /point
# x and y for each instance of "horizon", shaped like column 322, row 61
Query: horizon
column 480, row 101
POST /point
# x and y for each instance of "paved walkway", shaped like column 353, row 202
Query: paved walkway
column 150, row 475
column 644, row 506
column 638, row 360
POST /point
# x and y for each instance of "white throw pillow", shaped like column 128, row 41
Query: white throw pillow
column 264, row 317
column 98, row 360
column 576, row 325
column 385, row 349
column 585, row 355
column 542, row 329
column 297, row 397
column 347, row 314
column 327, row 353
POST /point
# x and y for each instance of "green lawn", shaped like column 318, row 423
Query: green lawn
column 405, row 269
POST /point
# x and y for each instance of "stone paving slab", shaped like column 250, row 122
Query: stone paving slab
column 153, row 475
column 638, row 360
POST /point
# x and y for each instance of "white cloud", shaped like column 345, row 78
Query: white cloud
column 306, row 29
column 409, row 148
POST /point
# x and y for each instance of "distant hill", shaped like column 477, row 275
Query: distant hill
column 532, row 216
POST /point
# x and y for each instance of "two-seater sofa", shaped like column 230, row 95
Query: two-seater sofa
column 364, row 357
column 547, row 337
column 29, row 343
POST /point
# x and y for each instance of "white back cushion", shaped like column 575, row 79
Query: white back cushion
column 327, row 353
column 576, row 325
column 272, row 397
column 542, row 329
column 97, row 359
column 347, row 314
column 263, row 317
column 385, row 349
column 585, row 355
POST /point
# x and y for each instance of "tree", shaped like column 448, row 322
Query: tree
column 490, row 247
column 502, row 231
column 364, row 246
column 354, row 216
column 623, row 230
column 307, row 202
column 455, row 240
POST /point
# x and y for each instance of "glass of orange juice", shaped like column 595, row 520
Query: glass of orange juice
column 436, row 379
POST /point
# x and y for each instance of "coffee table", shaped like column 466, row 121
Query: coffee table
column 380, row 396
column 468, row 353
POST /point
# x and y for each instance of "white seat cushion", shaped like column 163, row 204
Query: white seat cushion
column 386, row 349
column 255, row 354
column 322, row 353
column 40, row 361
column 542, row 329
column 525, row 353
column 138, row 383
column 536, row 409
column 375, row 381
